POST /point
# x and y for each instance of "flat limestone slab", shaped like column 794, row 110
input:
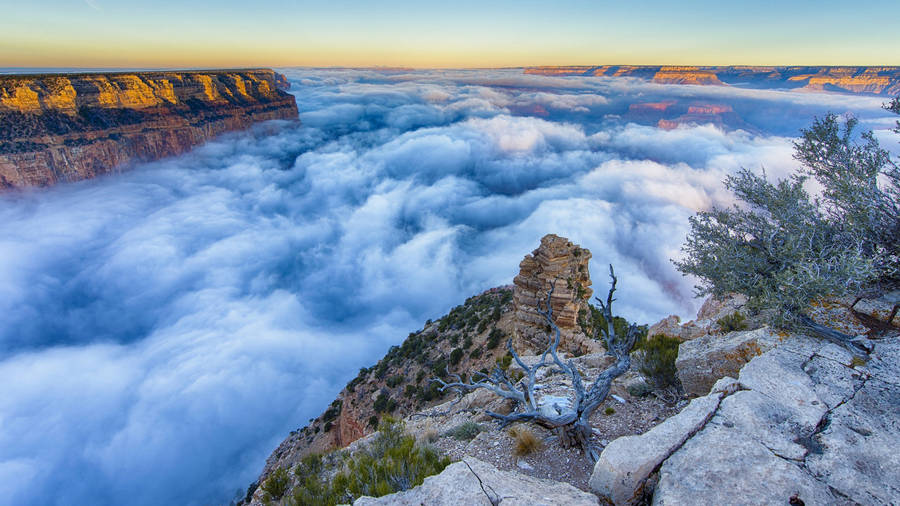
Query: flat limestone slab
column 473, row 482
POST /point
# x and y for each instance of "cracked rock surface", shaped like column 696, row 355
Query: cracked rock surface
column 803, row 421
column 473, row 482
column 806, row 424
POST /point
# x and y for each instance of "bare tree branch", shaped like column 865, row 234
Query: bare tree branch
column 572, row 423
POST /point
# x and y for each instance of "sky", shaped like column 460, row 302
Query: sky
column 165, row 328
column 463, row 33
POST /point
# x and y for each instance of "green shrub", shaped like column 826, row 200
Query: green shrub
column 609, row 411
column 784, row 249
column 384, row 403
column 656, row 360
column 395, row 380
column 275, row 485
column 455, row 356
column 309, row 464
column 439, row 367
column 732, row 323
column 393, row 462
column 639, row 389
column 428, row 393
column 465, row 432
column 333, row 411
column 505, row 361
column 410, row 390
column 476, row 353
column 494, row 338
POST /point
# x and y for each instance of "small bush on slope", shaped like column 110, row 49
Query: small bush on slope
column 656, row 360
column 391, row 463
column 465, row 432
column 732, row 323
column 275, row 485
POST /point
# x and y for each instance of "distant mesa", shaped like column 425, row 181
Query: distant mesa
column 883, row 81
column 68, row 127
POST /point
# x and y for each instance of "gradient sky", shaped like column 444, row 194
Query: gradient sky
column 462, row 33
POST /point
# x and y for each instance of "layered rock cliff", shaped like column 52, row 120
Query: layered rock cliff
column 563, row 266
column 67, row 127
column 869, row 80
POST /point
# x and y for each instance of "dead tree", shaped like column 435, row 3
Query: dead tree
column 571, row 423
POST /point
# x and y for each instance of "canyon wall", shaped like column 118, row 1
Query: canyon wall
column 68, row 127
column 869, row 80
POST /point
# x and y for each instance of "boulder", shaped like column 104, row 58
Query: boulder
column 724, row 466
column 808, row 425
column 715, row 308
column 473, row 482
column 883, row 309
column 703, row 361
column 712, row 310
column 626, row 463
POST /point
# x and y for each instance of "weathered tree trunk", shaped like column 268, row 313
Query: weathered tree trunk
column 856, row 345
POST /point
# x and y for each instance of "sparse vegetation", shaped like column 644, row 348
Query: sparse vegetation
column 455, row 356
column 275, row 485
column 656, row 360
column 384, row 403
column 732, row 323
column 609, row 411
column 525, row 441
column 494, row 338
column 465, row 432
column 391, row 463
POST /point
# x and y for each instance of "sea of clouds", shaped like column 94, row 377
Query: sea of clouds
column 164, row 328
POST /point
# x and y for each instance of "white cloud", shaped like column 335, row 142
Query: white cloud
column 166, row 327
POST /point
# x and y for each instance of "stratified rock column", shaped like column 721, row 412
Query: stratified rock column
column 557, row 261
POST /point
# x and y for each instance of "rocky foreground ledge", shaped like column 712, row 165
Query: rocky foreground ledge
column 68, row 127
column 765, row 416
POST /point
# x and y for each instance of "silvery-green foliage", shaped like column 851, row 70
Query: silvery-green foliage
column 777, row 247
column 860, row 187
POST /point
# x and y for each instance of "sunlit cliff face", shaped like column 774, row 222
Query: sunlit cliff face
column 165, row 327
column 872, row 80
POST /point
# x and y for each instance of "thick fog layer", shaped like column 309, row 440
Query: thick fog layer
column 163, row 329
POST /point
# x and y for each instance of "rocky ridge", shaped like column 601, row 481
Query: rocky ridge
column 68, row 127
column 884, row 81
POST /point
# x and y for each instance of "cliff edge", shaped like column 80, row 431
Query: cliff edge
column 884, row 81
column 68, row 127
